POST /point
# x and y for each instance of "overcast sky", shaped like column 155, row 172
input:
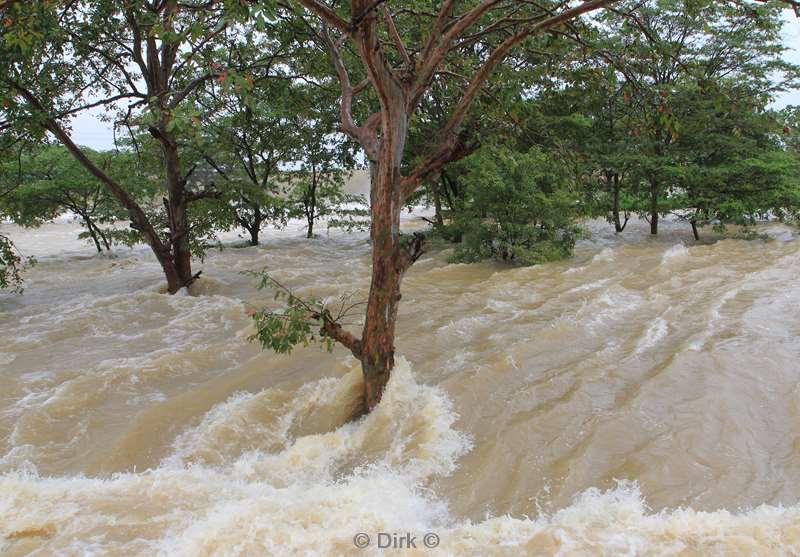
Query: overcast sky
column 88, row 130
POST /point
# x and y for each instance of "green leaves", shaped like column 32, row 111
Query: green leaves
column 12, row 264
column 299, row 322
column 519, row 208
column 43, row 183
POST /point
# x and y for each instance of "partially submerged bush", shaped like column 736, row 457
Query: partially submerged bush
column 11, row 265
column 520, row 207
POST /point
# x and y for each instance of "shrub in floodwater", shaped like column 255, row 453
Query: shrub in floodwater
column 520, row 207
column 11, row 265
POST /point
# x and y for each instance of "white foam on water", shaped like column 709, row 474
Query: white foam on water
column 280, row 472
column 713, row 318
column 295, row 491
column 674, row 253
column 287, row 489
column 605, row 307
column 591, row 285
column 470, row 327
column 605, row 255
column 655, row 332
column 618, row 522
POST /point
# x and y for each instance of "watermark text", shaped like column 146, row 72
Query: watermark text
column 396, row 540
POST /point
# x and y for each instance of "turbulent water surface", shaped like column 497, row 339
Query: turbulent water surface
column 639, row 399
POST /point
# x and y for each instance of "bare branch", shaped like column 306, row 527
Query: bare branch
column 452, row 142
column 191, row 86
column 364, row 136
column 398, row 42
column 327, row 15
column 439, row 45
column 338, row 333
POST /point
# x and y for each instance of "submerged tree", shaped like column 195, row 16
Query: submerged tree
column 732, row 166
column 11, row 265
column 520, row 207
column 322, row 163
column 142, row 60
column 49, row 182
column 251, row 134
column 317, row 191
column 660, row 93
column 403, row 50
column 674, row 60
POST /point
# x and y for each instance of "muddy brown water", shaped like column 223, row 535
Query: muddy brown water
column 640, row 398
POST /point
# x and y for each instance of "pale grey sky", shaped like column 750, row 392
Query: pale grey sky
column 791, row 37
column 91, row 132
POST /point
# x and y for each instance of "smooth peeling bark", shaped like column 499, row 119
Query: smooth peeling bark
column 391, row 258
column 388, row 265
column 377, row 358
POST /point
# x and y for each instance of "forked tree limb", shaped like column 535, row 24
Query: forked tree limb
column 398, row 41
column 450, row 144
column 410, row 252
column 366, row 137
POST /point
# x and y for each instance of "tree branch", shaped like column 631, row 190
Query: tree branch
column 365, row 136
column 338, row 333
column 410, row 252
column 327, row 15
column 398, row 41
column 453, row 142
column 138, row 218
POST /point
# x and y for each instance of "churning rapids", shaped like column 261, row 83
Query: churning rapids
column 642, row 398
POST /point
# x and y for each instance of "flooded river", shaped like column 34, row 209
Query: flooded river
column 641, row 398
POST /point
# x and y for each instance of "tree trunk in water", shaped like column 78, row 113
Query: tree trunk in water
column 390, row 260
column 103, row 237
column 254, row 232
column 437, row 204
column 695, row 231
column 654, row 209
column 180, row 273
column 92, row 233
column 618, row 225
column 173, row 254
column 312, row 203
column 377, row 338
column 255, row 227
